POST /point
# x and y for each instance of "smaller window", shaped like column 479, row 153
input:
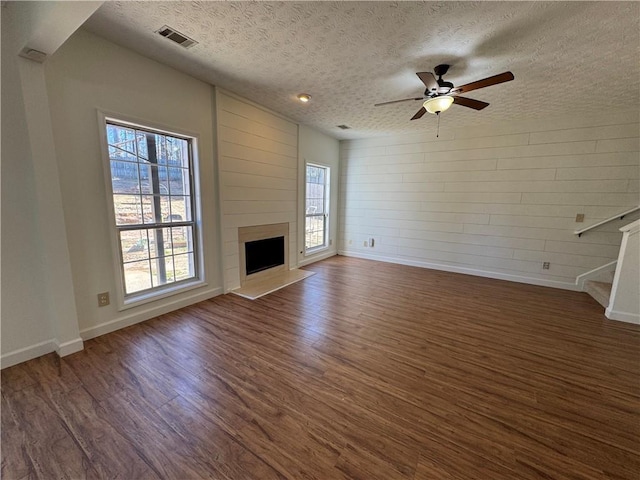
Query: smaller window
column 316, row 208
column 153, row 204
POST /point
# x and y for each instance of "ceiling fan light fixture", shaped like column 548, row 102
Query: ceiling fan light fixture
column 304, row 97
column 439, row 104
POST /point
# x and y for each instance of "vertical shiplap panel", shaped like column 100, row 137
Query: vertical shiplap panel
column 492, row 201
column 258, row 163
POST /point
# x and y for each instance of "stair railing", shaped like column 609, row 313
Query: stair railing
column 618, row 216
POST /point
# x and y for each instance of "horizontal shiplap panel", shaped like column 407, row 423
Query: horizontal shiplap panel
column 250, row 219
column 234, row 207
column 252, row 168
column 456, row 248
column 413, row 224
column 236, row 122
column 463, row 166
column 605, row 238
column 253, row 113
column 242, row 152
column 462, row 144
column 346, row 184
column 492, row 175
column 426, row 216
column 471, row 197
column 598, row 173
column 580, row 198
column 253, row 180
column 589, row 133
column 608, row 186
column 579, row 247
column 585, row 261
column 619, row 145
column 538, row 222
column 226, row 134
column 504, row 209
column 262, row 194
column 570, row 161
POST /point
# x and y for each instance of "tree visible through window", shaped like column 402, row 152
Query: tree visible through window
column 151, row 179
column 316, row 207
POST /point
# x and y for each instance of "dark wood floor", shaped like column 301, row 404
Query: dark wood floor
column 366, row 370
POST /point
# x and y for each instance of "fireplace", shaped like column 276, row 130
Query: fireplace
column 263, row 254
column 263, row 251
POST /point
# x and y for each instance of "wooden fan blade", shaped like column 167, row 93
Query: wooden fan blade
column 486, row 82
column 398, row 101
column 429, row 80
column 470, row 102
column 419, row 113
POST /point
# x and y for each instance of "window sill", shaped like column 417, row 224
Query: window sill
column 152, row 296
column 315, row 251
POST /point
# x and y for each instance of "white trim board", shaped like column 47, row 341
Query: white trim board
column 147, row 314
column 622, row 316
column 466, row 271
column 27, row 353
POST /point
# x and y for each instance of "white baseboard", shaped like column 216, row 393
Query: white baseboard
column 147, row 313
column 622, row 316
column 67, row 348
column 465, row 270
column 27, row 353
column 316, row 258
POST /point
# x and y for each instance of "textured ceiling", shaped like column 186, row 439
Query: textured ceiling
column 567, row 57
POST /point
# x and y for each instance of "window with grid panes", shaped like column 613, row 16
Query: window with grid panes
column 153, row 203
column 316, row 207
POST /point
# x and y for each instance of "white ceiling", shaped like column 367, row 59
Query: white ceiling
column 567, row 57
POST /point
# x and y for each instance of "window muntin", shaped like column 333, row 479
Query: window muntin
column 316, row 207
column 153, row 192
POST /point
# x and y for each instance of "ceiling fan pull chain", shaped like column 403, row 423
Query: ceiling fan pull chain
column 438, row 128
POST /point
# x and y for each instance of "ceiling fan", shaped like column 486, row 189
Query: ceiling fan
column 440, row 94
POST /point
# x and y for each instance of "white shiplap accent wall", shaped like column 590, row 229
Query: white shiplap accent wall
column 493, row 201
column 258, row 165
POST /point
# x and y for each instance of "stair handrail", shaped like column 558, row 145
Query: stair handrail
column 620, row 216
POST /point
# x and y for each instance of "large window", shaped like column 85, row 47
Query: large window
column 316, row 207
column 153, row 205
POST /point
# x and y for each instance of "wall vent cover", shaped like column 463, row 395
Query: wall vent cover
column 177, row 37
column 344, row 127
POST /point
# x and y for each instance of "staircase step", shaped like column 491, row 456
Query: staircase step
column 600, row 291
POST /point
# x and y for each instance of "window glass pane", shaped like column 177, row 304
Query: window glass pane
column 127, row 209
column 121, row 142
column 315, row 206
column 159, row 242
column 137, row 276
column 162, row 271
column 124, row 177
column 148, row 211
column 161, row 149
column 147, row 174
column 145, row 178
column 134, row 245
column 178, row 181
column 184, row 266
column 141, row 139
column 181, row 239
column 180, row 209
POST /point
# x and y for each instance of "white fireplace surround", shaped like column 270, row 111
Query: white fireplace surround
column 262, row 232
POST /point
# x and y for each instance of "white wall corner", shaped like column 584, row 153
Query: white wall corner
column 622, row 316
column 67, row 348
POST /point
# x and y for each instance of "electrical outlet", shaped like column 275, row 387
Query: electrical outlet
column 103, row 299
column 365, row 243
column 579, row 217
column 546, row 265
column 331, row 241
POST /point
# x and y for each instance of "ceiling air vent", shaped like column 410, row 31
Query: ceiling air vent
column 344, row 127
column 177, row 37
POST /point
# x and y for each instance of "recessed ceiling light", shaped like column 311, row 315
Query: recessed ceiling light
column 304, row 97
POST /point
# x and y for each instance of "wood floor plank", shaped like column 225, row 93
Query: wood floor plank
column 365, row 370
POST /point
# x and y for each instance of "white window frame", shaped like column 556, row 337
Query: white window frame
column 327, row 205
column 126, row 301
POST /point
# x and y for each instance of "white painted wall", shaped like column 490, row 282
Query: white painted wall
column 39, row 314
column 89, row 74
column 258, row 162
column 320, row 149
column 493, row 200
column 25, row 320
column 625, row 293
